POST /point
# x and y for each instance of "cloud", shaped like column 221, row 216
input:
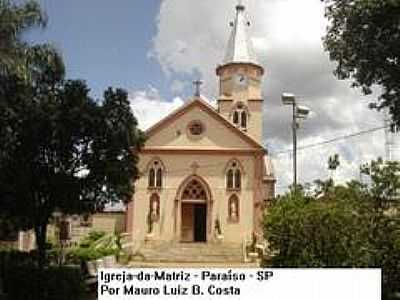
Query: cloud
column 178, row 86
column 287, row 35
column 313, row 162
column 149, row 107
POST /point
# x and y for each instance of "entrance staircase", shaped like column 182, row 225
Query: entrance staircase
column 178, row 254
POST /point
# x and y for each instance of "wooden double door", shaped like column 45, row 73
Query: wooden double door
column 194, row 222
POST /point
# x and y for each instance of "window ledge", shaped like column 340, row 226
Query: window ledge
column 154, row 188
column 230, row 221
column 233, row 189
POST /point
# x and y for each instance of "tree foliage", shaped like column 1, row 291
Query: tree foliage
column 59, row 148
column 16, row 56
column 363, row 37
column 333, row 162
column 62, row 150
column 354, row 225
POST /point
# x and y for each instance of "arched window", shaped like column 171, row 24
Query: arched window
column 233, row 176
column 194, row 191
column 243, row 123
column 156, row 174
column 233, row 209
column 159, row 178
column 235, row 118
column 238, row 179
column 240, row 116
column 229, row 179
column 151, row 177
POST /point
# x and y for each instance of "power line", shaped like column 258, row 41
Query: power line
column 204, row 166
column 344, row 137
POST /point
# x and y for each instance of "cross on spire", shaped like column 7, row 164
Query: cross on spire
column 197, row 84
column 240, row 5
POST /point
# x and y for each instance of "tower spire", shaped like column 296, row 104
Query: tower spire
column 240, row 77
column 240, row 48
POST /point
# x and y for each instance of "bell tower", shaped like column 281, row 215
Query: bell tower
column 240, row 80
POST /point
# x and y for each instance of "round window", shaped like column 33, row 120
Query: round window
column 196, row 128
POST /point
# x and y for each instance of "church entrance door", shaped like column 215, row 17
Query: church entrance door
column 200, row 222
column 194, row 212
column 194, row 222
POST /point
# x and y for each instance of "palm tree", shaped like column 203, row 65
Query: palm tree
column 17, row 57
column 333, row 164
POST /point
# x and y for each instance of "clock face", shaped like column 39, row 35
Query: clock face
column 241, row 80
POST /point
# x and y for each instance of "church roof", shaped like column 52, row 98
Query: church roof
column 240, row 48
column 198, row 101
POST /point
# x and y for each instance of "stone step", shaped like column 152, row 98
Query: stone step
column 145, row 264
column 190, row 253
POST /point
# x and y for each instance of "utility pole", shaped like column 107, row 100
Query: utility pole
column 388, row 136
column 298, row 112
column 294, row 129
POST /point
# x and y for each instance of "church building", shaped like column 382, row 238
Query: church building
column 205, row 175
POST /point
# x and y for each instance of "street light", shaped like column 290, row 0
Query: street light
column 288, row 99
column 298, row 112
column 302, row 112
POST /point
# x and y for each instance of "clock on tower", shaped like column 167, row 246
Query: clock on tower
column 241, row 81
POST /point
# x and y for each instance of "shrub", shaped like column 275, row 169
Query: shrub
column 342, row 230
column 91, row 238
column 10, row 259
column 316, row 234
column 29, row 283
column 94, row 246
column 87, row 254
column 22, row 279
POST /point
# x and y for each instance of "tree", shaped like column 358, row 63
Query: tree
column 61, row 150
column 333, row 162
column 305, row 232
column 355, row 225
column 16, row 56
column 363, row 37
column 385, row 183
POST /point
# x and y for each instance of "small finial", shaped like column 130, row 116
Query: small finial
column 197, row 84
column 194, row 166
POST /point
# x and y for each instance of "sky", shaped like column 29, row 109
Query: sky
column 155, row 49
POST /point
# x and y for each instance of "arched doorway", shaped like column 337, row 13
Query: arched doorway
column 194, row 210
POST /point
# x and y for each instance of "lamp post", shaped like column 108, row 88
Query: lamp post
column 298, row 112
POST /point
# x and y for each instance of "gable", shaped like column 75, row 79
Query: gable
column 218, row 133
